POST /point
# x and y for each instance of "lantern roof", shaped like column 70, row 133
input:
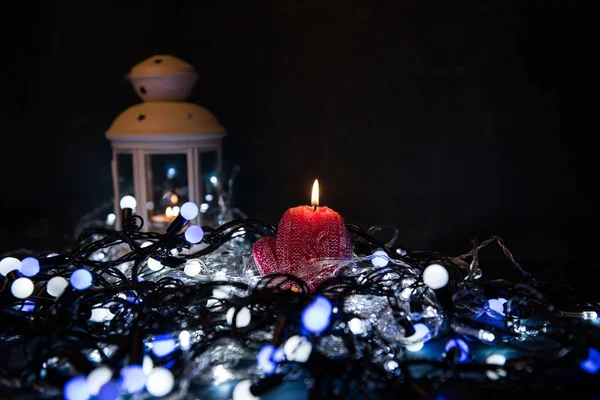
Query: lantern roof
column 162, row 65
column 163, row 82
column 164, row 121
column 163, row 78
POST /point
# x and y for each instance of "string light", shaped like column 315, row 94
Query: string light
column 316, row 316
column 462, row 346
column 22, row 288
column 241, row 320
column 81, row 279
column 268, row 357
column 435, row 276
column 109, row 391
column 194, row 234
column 184, row 340
column 163, row 345
column 241, row 391
column 192, row 268
column 363, row 315
column 133, row 378
column 111, row 219
column 98, row 378
column 496, row 307
column 30, row 266
column 56, row 286
column 128, row 202
column 418, row 338
column 160, row 382
column 77, row 389
column 580, row 314
column 591, row 364
column 380, row 258
column 298, row 349
column 187, row 212
column 9, row 264
column 480, row 334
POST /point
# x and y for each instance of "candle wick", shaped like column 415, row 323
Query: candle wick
column 315, row 208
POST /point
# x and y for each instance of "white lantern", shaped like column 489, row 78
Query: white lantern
column 165, row 151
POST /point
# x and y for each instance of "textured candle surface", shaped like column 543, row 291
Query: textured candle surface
column 303, row 237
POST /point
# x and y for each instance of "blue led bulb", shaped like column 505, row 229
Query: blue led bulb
column 76, row 389
column 316, row 316
column 462, row 346
column 81, row 279
column 591, row 365
column 163, row 345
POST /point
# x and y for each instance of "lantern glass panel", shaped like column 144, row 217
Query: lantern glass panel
column 125, row 174
column 209, row 183
column 167, row 187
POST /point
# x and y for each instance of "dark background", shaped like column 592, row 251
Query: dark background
column 447, row 119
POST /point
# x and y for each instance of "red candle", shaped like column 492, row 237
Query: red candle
column 306, row 234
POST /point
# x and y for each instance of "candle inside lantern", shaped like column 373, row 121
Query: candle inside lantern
column 305, row 236
column 169, row 215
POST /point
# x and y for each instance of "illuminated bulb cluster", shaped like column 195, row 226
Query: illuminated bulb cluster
column 499, row 360
column 9, row 264
column 101, row 314
column 153, row 264
column 128, row 202
column 111, row 219
column 110, row 391
column 242, row 318
column 435, row 276
column 268, row 357
column 76, row 388
column 30, row 266
column 358, row 326
column 22, row 288
column 194, row 234
column 193, row 267
column 220, row 292
column 591, row 364
column 297, row 349
column 184, row 340
column 495, row 307
column 160, row 382
column 163, row 345
column 189, row 210
column 418, row 338
column 100, row 384
column 317, row 315
column 81, row 279
column 133, row 378
column 462, row 346
column 56, row 286
column 241, row 391
column 98, row 378
column 380, row 258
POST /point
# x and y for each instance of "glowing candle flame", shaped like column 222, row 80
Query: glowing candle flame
column 169, row 212
column 315, row 194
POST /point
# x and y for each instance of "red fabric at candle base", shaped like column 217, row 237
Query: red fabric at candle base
column 304, row 236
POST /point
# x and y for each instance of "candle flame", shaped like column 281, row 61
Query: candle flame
column 315, row 194
column 169, row 212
